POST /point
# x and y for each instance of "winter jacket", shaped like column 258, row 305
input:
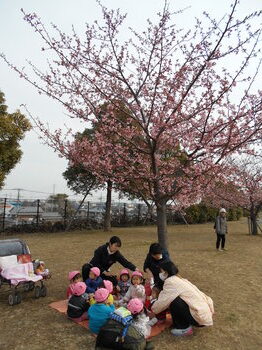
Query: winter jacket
column 103, row 260
column 221, row 225
column 153, row 265
column 77, row 305
column 124, row 286
column 200, row 305
column 140, row 323
column 98, row 315
column 92, row 285
column 135, row 291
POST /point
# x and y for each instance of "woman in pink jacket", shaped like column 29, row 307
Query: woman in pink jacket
column 188, row 305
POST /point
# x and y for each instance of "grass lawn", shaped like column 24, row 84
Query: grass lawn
column 233, row 279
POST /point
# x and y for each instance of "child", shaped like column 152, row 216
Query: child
column 41, row 269
column 124, row 283
column 136, row 289
column 140, row 320
column 94, row 280
column 78, row 304
column 109, row 286
column 161, row 317
column 74, row 277
column 99, row 313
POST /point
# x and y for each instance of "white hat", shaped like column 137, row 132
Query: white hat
column 222, row 210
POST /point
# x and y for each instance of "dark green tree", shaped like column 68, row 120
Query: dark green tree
column 12, row 130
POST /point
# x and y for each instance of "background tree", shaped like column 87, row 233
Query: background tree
column 242, row 188
column 178, row 89
column 12, row 130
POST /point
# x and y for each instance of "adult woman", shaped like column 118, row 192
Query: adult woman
column 104, row 257
column 155, row 257
column 188, row 305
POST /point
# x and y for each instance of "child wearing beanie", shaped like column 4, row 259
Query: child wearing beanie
column 94, row 280
column 109, row 286
column 136, row 290
column 78, row 304
column 73, row 277
column 99, row 312
column 123, row 283
column 140, row 320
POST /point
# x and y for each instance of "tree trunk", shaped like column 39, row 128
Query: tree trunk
column 253, row 220
column 107, row 219
column 162, row 224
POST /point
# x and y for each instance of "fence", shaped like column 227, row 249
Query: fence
column 53, row 215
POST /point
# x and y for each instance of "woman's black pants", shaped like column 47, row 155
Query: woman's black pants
column 221, row 238
column 181, row 315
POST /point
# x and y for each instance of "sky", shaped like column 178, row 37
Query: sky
column 40, row 169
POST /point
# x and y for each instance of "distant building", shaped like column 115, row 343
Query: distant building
column 26, row 214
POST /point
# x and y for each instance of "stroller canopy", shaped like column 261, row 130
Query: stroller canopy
column 13, row 247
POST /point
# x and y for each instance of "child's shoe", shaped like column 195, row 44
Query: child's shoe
column 182, row 332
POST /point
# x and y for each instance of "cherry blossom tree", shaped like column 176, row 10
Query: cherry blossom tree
column 187, row 107
column 242, row 188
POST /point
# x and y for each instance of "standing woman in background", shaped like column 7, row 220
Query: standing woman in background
column 221, row 229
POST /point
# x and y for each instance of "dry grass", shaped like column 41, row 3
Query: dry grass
column 232, row 279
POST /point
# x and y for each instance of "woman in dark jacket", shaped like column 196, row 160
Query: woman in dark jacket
column 104, row 257
column 155, row 257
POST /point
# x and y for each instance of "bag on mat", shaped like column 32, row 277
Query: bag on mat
column 110, row 337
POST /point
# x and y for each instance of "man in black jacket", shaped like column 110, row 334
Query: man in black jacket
column 104, row 257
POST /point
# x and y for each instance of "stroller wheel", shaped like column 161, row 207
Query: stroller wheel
column 11, row 299
column 18, row 298
column 27, row 287
column 43, row 291
column 37, row 292
column 31, row 285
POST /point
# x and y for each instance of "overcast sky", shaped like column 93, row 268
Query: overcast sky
column 40, row 169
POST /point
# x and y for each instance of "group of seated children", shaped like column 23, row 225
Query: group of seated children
column 93, row 299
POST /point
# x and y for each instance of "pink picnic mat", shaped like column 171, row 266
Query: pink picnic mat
column 61, row 306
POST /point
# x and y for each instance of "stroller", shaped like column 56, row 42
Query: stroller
column 17, row 271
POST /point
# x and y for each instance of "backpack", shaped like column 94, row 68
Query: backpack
column 110, row 334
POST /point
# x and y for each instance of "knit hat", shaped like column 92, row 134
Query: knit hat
column 79, row 288
column 136, row 273
column 96, row 271
column 72, row 274
column 109, row 286
column 222, row 210
column 101, row 295
column 124, row 272
column 135, row 306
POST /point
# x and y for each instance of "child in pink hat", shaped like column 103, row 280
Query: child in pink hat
column 74, row 277
column 123, row 283
column 109, row 286
column 78, row 304
column 140, row 320
column 94, row 280
column 136, row 289
column 99, row 312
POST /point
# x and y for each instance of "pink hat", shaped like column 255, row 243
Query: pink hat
column 79, row 288
column 137, row 273
column 72, row 274
column 124, row 272
column 109, row 286
column 135, row 306
column 101, row 295
column 95, row 271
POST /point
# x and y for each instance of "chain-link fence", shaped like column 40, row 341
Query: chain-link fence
column 56, row 215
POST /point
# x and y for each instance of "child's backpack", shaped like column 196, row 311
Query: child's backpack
column 118, row 333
